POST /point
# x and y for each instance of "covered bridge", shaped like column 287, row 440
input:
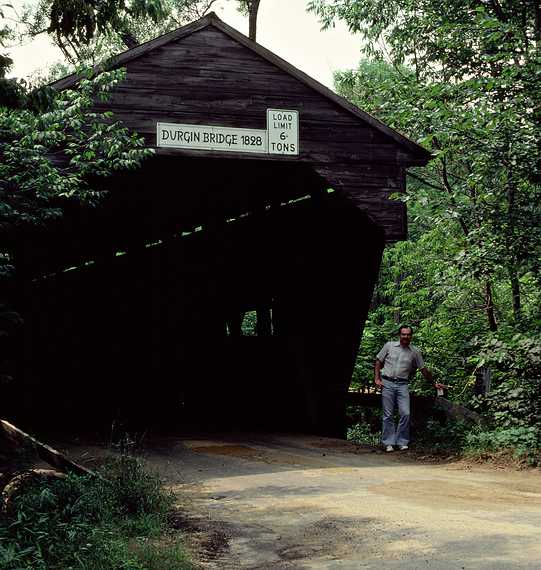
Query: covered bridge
column 267, row 193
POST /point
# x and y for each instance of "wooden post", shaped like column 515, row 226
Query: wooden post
column 482, row 381
column 264, row 321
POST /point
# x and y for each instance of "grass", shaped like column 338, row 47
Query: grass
column 115, row 523
column 160, row 556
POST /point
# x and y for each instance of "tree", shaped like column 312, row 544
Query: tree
column 473, row 72
column 74, row 25
column 89, row 32
column 50, row 154
column 250, row 8
column 11, row 93
column 463, row 79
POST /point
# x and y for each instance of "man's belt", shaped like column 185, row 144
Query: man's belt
column 398, row 380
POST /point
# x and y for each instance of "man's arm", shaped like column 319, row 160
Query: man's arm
column 377, row 374
column 380, row 360
column 427, row 375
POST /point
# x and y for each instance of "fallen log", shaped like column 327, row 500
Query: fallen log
column 19, row 484
column 44, row 452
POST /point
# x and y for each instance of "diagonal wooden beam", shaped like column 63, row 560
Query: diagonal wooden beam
column 44, row 452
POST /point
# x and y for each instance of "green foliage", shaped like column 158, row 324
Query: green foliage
column 511, row 406
column 50, row 153
column 511, row 423
column 55, row 154
column 135, row 491
column 514, row 404
column 515, row 358
column 418, row 285
column 362, row 434
column 522, row 442
column 162, row 557
column 473, row 39
column 444, row 437
column 479, row 198
column 249, row 323
column 82, row 522
column 512, row 410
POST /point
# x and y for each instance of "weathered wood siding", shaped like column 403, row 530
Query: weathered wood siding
column 207, row 77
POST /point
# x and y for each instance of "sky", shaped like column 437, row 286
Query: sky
column 284, row 27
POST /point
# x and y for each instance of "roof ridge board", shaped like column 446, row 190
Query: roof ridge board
column 212, row 19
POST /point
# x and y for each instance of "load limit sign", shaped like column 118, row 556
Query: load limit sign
column 283, row 131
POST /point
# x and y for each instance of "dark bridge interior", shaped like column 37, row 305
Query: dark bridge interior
column 133, row 309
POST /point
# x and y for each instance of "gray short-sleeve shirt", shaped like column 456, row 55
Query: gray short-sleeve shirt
column 400, row 361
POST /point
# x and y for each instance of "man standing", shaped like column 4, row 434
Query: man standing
column 395, row 366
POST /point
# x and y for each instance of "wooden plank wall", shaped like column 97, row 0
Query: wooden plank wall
column 209, row 78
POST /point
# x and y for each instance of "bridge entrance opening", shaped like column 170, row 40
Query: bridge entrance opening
column 136, row 307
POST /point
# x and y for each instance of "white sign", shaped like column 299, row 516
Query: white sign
column 281, row 136
column 201, row 137
column 283, row 131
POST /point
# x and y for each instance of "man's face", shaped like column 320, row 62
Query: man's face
column 405, row 336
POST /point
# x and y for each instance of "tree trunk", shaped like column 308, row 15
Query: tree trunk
column 252, row 16
column 489, row 307
column 515, row 291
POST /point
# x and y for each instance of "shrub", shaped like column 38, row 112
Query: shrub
column 57, row 525
column 86, row 522
column 516, row 359
column 522, row 442
column 133, row 490
column 509, row 406
column 360, row 433
column 512, row 420
column 449, row 436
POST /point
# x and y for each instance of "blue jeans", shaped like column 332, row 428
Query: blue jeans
column 394, row 393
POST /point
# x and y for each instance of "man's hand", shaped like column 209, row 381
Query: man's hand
column 427, row 375
column 378, row 382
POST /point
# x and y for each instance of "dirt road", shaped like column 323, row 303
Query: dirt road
column 300, row 502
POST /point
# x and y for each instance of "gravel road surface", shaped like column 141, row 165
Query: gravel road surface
column 304, row 502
